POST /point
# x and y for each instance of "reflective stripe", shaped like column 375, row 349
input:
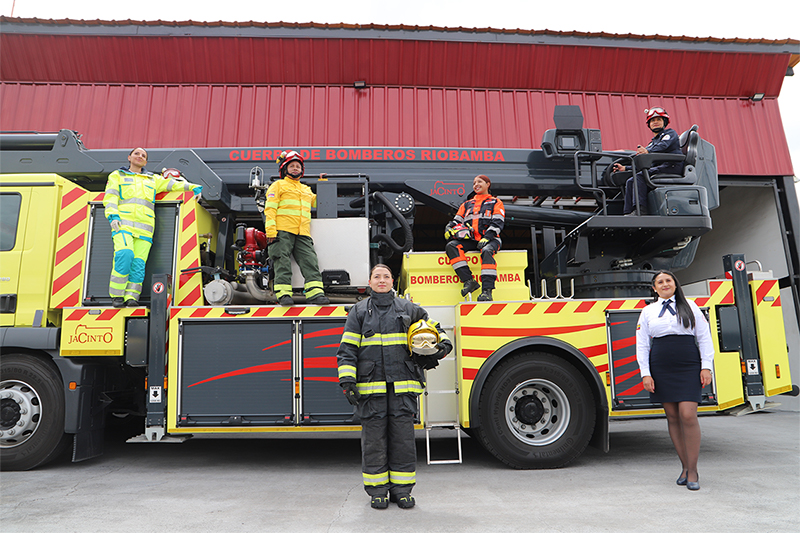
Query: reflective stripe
column 115, row 292
column 403, row 478
column 489, row 272
column 313, row 284
column 385, row 339
column 135, row 287
column 374, row 387
column 407, row 386
column 115, row 192
column 282, row 290
column 373, row 480
column 352, row 338
column 170, row 183
column 347, row 371
column 118, row 279
column 271, row 205
column 269, row 223
column 139, row 201
column 138, row 225
column 458, row 263
column 294, row 212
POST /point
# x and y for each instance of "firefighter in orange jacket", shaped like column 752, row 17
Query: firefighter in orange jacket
column 476, row 226
column 287, row 224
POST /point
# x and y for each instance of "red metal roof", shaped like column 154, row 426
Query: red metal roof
column 191, row 84
column 748, row 136
column 324, row 61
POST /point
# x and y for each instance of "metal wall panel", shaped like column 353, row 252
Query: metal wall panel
column 166, row 59
column 749, row 136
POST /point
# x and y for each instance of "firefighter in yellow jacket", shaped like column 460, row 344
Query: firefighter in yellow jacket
column 287, row 223
column 129, row 202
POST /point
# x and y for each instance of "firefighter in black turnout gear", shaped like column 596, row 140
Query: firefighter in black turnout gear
column 381, row 377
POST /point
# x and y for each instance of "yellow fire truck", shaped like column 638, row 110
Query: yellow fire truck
column 535, row 375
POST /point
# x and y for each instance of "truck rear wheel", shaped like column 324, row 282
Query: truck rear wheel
column 31, row 412
column 536, row 412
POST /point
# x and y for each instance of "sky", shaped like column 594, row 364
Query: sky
column 776, row 19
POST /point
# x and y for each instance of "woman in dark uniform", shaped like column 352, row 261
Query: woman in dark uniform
column 676, row 355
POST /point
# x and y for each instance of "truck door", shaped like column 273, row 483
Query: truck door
column 12, row 233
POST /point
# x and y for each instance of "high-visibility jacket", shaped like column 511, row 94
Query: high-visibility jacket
column 374, row 349
column 484, row 213
column 288, row 208
column 131, row 197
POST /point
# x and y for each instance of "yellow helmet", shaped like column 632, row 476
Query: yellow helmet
column 423, row 338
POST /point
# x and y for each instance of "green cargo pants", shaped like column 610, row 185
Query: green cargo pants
column 302, row 248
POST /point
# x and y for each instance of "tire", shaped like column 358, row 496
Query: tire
column 536, row 411
column 31, row 412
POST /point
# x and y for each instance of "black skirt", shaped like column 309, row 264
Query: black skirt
column 675, row 369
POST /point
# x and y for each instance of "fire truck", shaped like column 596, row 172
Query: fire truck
column 535, row 375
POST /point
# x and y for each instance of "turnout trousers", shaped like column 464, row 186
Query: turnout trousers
column 127, row 274
column 302, row 248
column 455, row 250
column 388, row 450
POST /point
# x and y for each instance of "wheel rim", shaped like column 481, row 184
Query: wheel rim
column 537, row 411
column 20, row 413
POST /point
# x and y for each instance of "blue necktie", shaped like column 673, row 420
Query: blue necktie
column 666, row 306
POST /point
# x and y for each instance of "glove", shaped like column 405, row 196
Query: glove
column 483, row 242
column 198, row 192
column 351, row 392
column 447, row 234
column 427, row 362
column 115, row 225
column 444, row 349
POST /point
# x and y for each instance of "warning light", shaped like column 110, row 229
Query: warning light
column 73, row 385
column 778, row 371
column 608, row 379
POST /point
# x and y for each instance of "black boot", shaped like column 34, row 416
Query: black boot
column 470, row 286
column 118, row 302
column 403, row 501
column 379, row 502
column 286, row 300
column 485, row 296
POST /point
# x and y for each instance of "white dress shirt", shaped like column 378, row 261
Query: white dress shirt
column 651, row 326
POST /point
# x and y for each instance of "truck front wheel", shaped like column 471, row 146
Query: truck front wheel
column 31, row 412
column 536, row 412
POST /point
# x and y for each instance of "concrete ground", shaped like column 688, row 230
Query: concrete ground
column 749, row 473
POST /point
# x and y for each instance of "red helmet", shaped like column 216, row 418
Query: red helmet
column 656, row 112
column 286, row 158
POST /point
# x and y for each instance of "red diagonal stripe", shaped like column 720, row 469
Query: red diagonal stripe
column 480, row 354
column 139, row 312
column 263, row 311
column 161, row 195
column 633, row 391
column 762, row 291
column 293, row 311
column 524, row 309
column 200, row 313
column 601, row 368
column 269, row 367
column 192, row 298
column 72, row 221
column 465, row 309
column 71, row 301
column 585, row 307
column 555, row 307
column 625, row 377
column 623, row 343
column 189, row 246
column 525, row 332
column 189, row 219
column 108, row 314
column 172, row 312
column 66, row 277
column 701, row 302
column 70, row 197
column 728, row 298
column 284, row 343
column 469, row 373
column 69, row 249
column 325, row 311
column 593, row 351
column 777, row 302
column 624, row 361
column 494, row 309
column 320, row 362
column 325, row 333
column 614, row 304
column 713, row 286
column 641, row 305
column 77, row 314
